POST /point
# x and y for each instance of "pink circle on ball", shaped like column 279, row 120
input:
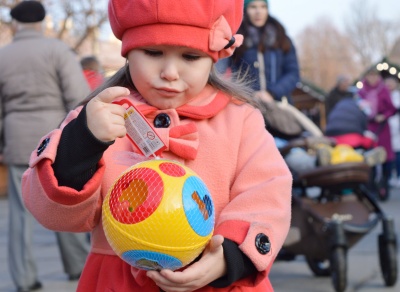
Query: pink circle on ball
column 172, row 169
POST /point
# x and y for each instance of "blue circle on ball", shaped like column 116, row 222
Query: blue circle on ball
column 198, row 206
column 151, row 260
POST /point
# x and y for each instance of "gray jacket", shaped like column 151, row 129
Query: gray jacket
column 40, row 80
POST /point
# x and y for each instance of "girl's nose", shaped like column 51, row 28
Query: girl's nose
column 170, row 71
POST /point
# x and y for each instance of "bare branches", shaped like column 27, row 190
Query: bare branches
column 5, row 6
column 78, row 20
column 73, row 21
column 326, row 52
column 371, row 37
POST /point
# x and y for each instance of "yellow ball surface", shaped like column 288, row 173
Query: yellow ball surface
column 157, row 215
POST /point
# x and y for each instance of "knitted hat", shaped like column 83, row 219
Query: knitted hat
column 28, row 11
column 246, row 2
column 205, row 25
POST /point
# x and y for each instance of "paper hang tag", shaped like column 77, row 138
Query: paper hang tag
column 140, row 131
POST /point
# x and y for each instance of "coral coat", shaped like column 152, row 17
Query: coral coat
column 237, row 159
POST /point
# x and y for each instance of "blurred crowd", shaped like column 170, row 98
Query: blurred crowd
column 372, row 112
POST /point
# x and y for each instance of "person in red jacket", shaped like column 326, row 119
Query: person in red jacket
column 92, row 71
column 204, row 121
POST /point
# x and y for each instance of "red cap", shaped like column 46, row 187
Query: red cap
column 206, row 25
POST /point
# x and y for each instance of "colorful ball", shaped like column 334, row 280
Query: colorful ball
column 157, row 215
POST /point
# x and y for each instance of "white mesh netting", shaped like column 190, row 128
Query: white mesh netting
column 158, row 214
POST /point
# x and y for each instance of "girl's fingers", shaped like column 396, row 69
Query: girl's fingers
column 117, row 109
column 108, row 95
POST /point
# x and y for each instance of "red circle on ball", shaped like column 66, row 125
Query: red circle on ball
column 172, row 169
column 136, row 195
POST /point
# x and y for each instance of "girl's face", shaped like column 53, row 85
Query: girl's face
column 257, row 11
column 169, row 76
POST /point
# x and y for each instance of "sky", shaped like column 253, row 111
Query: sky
column 295, row 15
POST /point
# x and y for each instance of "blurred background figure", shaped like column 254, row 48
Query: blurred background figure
column 267, row 54
column 93, row 72
column 40, row 80
column 394, row 123
column 339, row 92
column 348, row 123
column 376, row 96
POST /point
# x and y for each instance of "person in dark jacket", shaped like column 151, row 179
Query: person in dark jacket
column 346, row 117
column 347, row 123
column 339, row 92
column 267, row 55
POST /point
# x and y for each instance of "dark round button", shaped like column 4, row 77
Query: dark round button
column 162, row 121
column 262, row 243
column 42, row 146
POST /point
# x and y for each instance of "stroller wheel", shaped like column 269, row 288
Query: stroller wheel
column 320, row 268
column 339, row 268
column 388, row 260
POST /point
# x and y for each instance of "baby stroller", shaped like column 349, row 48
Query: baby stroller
column 378, row 182
column 324, row 227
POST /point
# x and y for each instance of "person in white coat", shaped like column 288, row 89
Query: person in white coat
column 394, row 122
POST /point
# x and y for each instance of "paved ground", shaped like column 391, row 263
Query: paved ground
column 47, row 257
column 363, row 269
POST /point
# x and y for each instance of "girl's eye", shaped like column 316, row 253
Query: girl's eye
column 153, row 53
column 190, row 57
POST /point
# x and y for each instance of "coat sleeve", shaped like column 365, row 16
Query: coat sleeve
column 57, row 207
column 388, row 109
column 223, row 64
column 289, row 77
column 258, row 216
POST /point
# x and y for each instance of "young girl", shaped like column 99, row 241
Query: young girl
column 170, row 46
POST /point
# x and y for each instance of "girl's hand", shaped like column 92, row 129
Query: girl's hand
column 104, row 119
column 210, row 267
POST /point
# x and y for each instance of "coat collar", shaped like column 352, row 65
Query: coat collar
column 182, row 138
column 26, row 34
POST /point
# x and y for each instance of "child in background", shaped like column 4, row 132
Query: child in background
column 92, row 71
column 171, row 47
